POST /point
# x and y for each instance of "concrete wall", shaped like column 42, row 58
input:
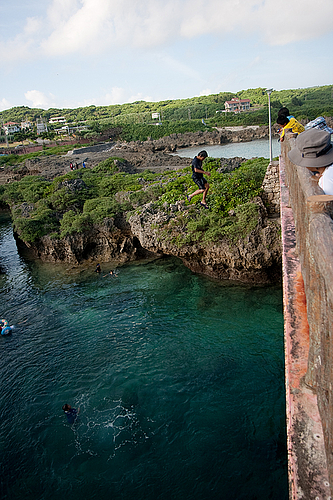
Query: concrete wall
column 313, row 211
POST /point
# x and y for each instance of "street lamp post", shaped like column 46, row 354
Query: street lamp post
column 269, row 91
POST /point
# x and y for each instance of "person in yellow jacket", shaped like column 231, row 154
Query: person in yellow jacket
column 289, row 123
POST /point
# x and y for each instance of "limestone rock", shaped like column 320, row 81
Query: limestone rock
column 257, row 258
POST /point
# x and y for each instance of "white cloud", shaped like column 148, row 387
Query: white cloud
column 139, row 97
column 78, row 30
column 206, row 92
column 117, row 95
column 32, row 26
column 4, row 104
column 98, row 26
column 39, row 99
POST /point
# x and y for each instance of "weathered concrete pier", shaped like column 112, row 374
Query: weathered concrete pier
column 307, row 237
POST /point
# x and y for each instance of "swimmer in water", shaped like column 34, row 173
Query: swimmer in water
column 71, row 413
column 111, row 273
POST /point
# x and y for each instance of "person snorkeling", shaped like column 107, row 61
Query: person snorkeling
column 71, row 413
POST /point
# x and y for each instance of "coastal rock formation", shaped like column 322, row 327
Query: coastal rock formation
column 171, row 143
column 112, row 240
column 154, row 232
column 257, row 258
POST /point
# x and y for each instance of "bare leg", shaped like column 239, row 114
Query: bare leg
column 198, row 191
column 205, row 193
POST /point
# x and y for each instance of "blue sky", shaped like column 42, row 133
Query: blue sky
column 71, row 53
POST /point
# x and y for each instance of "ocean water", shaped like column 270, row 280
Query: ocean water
column 258, row 148
column 179, row 380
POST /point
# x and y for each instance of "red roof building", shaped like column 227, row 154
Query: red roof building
column 11, row 128
column 237, row 105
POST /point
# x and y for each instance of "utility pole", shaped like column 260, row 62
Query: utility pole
column 269, row 91
column 6, row 135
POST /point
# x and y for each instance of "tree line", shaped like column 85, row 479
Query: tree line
column 303, row 102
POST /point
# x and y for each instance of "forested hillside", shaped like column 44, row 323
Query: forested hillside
column 303, row 103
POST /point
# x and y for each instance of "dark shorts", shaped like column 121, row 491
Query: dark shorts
column 200, row 181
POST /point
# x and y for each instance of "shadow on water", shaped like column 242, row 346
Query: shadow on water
column 179, row 380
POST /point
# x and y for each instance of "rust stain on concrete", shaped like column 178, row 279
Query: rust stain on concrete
column 307, row 468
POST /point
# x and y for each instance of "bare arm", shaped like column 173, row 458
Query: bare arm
column 200, row 171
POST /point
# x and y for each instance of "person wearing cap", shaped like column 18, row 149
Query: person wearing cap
column 198, row 177
column 313, row 150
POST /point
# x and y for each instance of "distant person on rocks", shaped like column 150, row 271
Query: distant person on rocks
column 198, row 177
column 98, row 269
column 83, row 165
column 71, row 165
column 71, row 413
column 313, row 149
column 289, row 122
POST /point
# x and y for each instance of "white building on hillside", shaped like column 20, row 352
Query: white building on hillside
column 25, row 125
column 41, row 125
column 11, row 128
column 237, row 105
column 57, row 119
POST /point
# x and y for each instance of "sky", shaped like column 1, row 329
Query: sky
column 72, row 53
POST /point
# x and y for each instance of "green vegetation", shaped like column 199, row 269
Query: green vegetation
column 141, row 132
column 209, row 227
column 135, row 122
column 303, row 103
column 74, row 202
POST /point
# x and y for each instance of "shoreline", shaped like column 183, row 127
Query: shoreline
column 156, row 155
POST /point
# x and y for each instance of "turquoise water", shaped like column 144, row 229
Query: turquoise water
column 252, row 149
column 179, row 380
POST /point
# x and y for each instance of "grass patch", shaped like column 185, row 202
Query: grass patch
column 73, row 202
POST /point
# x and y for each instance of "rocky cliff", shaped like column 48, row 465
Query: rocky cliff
column 255, row 258
column 152, row 229
column 154, row 232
